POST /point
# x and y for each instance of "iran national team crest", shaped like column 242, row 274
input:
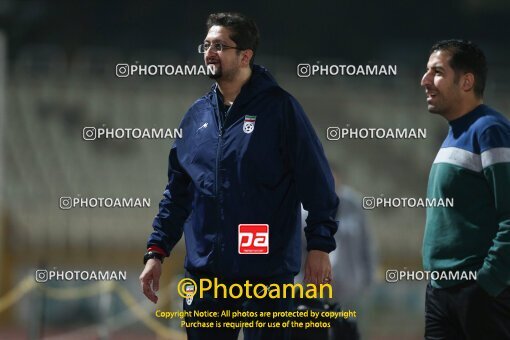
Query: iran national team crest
column 190, row 292
column 249, row 124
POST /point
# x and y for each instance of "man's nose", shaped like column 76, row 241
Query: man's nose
column 210, row 52
column 426, row 79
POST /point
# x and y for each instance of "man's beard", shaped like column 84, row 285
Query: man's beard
column 228, row 75
column 217, row 74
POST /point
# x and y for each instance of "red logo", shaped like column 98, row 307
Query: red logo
column 253, row 239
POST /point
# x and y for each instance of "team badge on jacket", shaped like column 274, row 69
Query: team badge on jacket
column 190, row 292
column 249, row 124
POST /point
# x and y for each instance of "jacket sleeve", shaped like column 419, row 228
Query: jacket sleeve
column 174, row 208
column 313, row 178
column 494, row 276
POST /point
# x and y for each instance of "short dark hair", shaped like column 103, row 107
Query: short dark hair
column 244, row 30
column 465, row 57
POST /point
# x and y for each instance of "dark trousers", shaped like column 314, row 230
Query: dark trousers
column 209, row 303
column 466, row 311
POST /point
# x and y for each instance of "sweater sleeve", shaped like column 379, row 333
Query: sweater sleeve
column 494, row 276
column 314, row 181
column 174, row 208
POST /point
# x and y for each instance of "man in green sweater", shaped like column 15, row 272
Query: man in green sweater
column 473, row 168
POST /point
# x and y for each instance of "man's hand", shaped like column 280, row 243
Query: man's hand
column 149, row 279
column 317, row 267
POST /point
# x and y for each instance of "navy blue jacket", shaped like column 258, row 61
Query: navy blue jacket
column 226, row 175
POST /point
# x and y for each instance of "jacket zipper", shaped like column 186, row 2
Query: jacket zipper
column 220, row 139
column 217, row 190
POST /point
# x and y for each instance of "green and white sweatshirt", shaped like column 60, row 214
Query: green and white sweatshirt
column 473, row 168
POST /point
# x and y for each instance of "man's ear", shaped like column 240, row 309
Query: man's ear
column 468, row 82
column 247, row 55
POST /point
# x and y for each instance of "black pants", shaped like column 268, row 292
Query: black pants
column 466, row 311
column 209, row 303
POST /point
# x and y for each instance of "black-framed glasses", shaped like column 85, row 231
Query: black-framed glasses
column 216, row 47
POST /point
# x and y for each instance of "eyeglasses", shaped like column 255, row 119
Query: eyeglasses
column 216, row 47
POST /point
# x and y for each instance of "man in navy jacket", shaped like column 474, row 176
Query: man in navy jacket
column 248, row 155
